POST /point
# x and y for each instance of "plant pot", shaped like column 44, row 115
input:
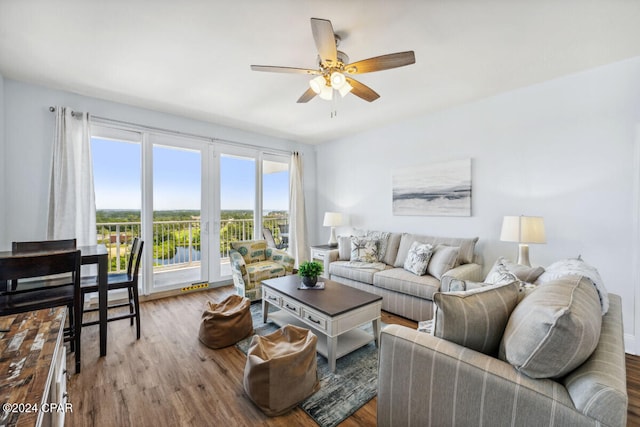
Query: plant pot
column 309, row 281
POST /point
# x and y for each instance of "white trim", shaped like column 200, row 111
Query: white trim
column 631, row 344
column 146, row 215
column 123, row 125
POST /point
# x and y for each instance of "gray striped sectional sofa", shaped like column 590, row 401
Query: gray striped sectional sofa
column 403, row 293
column 428, row 381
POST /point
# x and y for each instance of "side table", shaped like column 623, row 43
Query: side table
column 320, row 253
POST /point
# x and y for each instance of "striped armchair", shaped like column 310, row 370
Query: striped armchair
column 427, row 381
column 252, row 262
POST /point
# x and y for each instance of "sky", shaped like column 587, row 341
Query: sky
column 177, row 182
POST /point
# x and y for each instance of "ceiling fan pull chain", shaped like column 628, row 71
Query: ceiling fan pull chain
column 334, row 103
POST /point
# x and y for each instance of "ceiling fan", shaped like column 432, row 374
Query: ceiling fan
column 335, row 70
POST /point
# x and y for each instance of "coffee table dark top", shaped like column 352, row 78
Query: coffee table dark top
column 333, row 300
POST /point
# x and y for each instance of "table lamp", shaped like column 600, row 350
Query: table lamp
column 333, row 220
column 523, row 230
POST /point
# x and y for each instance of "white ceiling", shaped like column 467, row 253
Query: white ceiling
column 191, row 58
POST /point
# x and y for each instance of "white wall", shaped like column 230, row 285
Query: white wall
column 562, row 149
column 3, row 164
column 29, row 136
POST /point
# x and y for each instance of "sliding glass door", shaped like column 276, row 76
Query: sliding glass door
column 275, row 198
column 237, row 212
column 179, row 221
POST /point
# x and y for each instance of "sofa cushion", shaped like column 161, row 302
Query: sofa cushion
column 263, row 270
column 358, row 271
column 344, row 248
column 392, row 248
column 418, row 258
column 383, row 241
column 476, row 318
column 251, row 250
column 554, row 329
column 405, row 282
column 364, row 249
column 443, row 259
column 466, row 245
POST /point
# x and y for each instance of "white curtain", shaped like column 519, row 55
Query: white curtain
column 72, row 205
column 298, row 245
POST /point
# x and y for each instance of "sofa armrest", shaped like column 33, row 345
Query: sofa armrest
column 424, row 380
column 238, row 269
column 471, row 272
column 237, row 262
column 333, row 255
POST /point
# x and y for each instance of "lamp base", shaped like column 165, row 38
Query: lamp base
column 333, row 242
column 523, row 254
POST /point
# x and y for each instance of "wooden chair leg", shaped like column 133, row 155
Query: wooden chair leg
column 136, row 302
column 77, row 331
column 131, row 305
column 72, row 342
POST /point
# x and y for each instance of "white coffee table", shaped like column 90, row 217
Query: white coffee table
column 335, row 312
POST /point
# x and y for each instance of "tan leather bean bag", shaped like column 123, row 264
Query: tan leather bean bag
column 225, row 323
column 281, row 369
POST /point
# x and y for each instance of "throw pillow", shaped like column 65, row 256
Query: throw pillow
column 554, row 329
column 418, row 258
column 406, row 240
column 475, row 319
column 364, row 250
column 505, row 271
column 443, row 259
column 383, row 238
column 576, row 266
column 344, row 248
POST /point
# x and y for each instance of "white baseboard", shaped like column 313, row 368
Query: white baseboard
column 630, row 345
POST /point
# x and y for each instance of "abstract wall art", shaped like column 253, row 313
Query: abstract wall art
column 439, row 189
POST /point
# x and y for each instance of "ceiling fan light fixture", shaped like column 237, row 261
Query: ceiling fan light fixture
column 345, row 89
column 317, row 84
column 337, row 80
column 326, row 93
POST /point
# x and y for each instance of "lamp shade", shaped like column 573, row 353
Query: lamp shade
column 523, row 229
column 317, row 84
column 332, row 219
column 337, row 80
column 326, row 93
column 345, row 89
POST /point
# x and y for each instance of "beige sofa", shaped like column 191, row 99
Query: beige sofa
column 403, row 292
column 429, row 381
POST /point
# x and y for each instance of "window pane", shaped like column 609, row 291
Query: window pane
column 275, row 200
column 237, row 202
column 117, row 182
column 176, row 215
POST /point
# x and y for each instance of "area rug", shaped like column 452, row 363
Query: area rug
column 342, row 393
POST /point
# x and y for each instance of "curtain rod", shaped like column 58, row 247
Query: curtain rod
column 137, row 127
column 74, row 114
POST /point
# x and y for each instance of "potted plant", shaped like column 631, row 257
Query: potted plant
column 309, row 271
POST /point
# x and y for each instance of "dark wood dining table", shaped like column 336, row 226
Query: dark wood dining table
column 93, row 254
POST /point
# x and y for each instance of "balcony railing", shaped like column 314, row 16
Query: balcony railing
column 176, row 244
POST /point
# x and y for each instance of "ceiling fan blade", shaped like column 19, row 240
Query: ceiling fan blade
column 293, row 70
column 363, row 91
column 325, row 39
column 307, row 96
column 384, row 62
